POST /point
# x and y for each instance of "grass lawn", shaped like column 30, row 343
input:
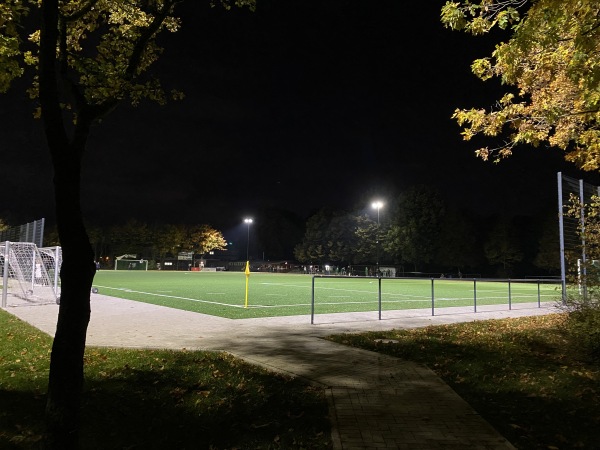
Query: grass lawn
column 521, row 375
column 224, row 293
column 142, row 399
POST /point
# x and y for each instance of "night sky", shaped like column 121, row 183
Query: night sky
column 299, row 105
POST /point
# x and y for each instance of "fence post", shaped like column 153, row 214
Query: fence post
column 474, row 294
column 379, row 279
column 312, row 302
column 509, row 296
column 57, row 264
column 539, row 295
column 5, row 274
column 432, row 299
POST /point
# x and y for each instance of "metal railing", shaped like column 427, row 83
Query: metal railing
column 476, row 283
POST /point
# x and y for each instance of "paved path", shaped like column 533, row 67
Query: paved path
column 376, row 401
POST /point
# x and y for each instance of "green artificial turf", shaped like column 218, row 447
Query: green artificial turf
column 223, row 294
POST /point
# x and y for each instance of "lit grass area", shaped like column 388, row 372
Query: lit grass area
column 523, row 375
column 223, row 294
column 146, row 399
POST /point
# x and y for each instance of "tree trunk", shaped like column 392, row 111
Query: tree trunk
column 78, row 268
column 77, row 273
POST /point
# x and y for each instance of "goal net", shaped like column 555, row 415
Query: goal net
column 131, row 264
column 30, row 275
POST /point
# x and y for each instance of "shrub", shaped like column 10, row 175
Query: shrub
column 583, row 327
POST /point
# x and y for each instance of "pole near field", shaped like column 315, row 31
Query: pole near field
column 5, row 274
column 247, row 272
column 379, row 289
column 474, row 294
column 432, row 298
column 582, row 225
column 561, row 226
column 312, row 302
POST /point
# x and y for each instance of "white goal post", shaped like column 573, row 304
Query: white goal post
column 30, row 275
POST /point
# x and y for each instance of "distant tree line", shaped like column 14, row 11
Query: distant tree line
column 152, row 242
column 421, row 232
column 418, row 231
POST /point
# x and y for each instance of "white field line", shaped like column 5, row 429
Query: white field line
column 173, row 296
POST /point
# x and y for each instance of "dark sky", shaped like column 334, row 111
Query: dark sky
column 299, row 105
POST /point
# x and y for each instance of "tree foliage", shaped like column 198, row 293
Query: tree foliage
column 151, row 241
column 12, row 13
column 338, row 237
column 313, row 248
column 458, row 246
column 548, row 256
column 127, row 238
column 204, row 238
column 552, row 63
column 502, row 246
column 167, row 239
column 416, row 226
column 408, row 233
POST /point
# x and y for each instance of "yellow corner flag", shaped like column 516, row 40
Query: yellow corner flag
column 247, row 272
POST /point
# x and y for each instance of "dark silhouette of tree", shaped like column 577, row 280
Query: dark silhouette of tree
column 416, row 225
column 548, row 251
column 458, row 246
column 314, row 248
column 339, row 238
column 167, row 239
column 130, row 238
column 90, row 56
column 502, row 246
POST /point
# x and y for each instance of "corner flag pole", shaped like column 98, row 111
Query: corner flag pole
column 247, row 272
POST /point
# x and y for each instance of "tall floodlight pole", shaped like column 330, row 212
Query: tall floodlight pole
column 247, row 221
column 377, row 205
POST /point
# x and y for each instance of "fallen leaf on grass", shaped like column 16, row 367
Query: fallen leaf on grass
column 295, row 416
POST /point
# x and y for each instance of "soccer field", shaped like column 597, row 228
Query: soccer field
column 223, row 294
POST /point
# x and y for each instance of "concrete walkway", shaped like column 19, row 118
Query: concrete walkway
column 376, row 401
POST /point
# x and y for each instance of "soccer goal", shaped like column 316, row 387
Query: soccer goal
column 30, row 275
column 126, row 262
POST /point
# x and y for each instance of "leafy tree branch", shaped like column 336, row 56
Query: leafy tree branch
column 552, row 60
